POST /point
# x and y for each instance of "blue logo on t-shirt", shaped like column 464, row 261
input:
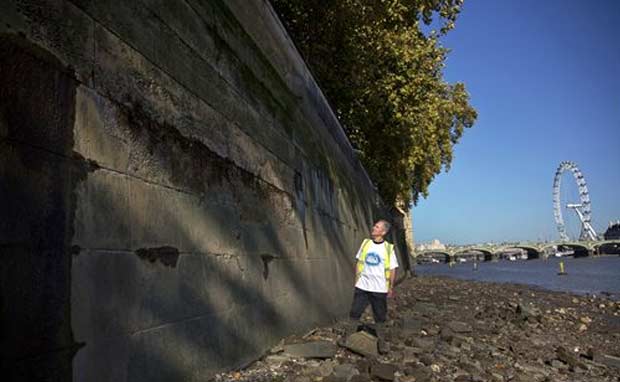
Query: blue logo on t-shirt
column 373, row 259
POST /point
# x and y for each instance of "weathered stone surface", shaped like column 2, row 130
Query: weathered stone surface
column 426, row 309
column 345, row 371
column 362, row 343
column 195, row 190
column 528, row 312
column 427, row 359
column 459, row 327
column 360, row 378
column 411, row 323
column 363, row 365
column 421, row 374
column 568, row 358
column 427, row 345
column 324, row 369
column 462, row 377
column 608, row 360
column 315, row 349
column 383, row 371
column 446, row 334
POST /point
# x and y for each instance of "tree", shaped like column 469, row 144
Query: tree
column 383, row 76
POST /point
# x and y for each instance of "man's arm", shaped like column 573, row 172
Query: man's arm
column 357, row 259
column 392, row 280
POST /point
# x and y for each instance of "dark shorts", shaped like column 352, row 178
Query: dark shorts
column 361, row 299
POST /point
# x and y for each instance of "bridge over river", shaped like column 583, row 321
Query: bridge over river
column 531, row 250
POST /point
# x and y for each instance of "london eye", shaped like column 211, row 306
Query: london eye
column 583, row 208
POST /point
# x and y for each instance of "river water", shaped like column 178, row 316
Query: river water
column 585, row 275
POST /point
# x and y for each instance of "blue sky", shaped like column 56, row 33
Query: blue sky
column 545, row 79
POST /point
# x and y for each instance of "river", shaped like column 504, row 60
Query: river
column 585, row 275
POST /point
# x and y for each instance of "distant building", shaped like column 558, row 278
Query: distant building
column 613, row 231
column 433, row 245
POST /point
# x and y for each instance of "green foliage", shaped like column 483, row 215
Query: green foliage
column 383, row 76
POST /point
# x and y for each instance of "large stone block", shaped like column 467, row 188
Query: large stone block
column 101, row 132
column 102, row 218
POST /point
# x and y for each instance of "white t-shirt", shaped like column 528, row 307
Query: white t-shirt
column 372, row 278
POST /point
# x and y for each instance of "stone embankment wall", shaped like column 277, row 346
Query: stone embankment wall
column 175, row 192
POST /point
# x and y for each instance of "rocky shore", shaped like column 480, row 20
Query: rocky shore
column 441, row 329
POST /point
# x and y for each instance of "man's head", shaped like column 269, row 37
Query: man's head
column 380, row 229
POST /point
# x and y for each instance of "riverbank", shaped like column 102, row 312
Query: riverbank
column 585, row 275
column 443, row 329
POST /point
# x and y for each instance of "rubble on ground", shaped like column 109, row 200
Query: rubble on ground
column 441, row 329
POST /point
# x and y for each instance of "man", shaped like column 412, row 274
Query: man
column 375, row 273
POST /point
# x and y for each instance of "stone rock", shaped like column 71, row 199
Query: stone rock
column 589, row 354
column 323, row 370
column 608, row 360
column 585, row 320
column 582, row 328
column 277, row 359
column 362, row 343
column 421, row 374
column 410, row 323
column 427, row 359
column 409, row 355
column 345, row 371
column 459, row 339
column 446, row 334
column 383, row 371
column 459, row 327
column 462, row 377
column 302, row 378
column 363, row 366
column 313, row 349
column 360, row 378
column 426, row 345
column 471, row 367
column 333, row 378
column 451, row 351
column 558, row 364
column 276, row 349
column 537, row 373
column 427, row 309
column 528, row 312
column 568, row 358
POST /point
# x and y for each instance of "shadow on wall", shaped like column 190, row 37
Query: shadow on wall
column 38, row 177
column 78, row 255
